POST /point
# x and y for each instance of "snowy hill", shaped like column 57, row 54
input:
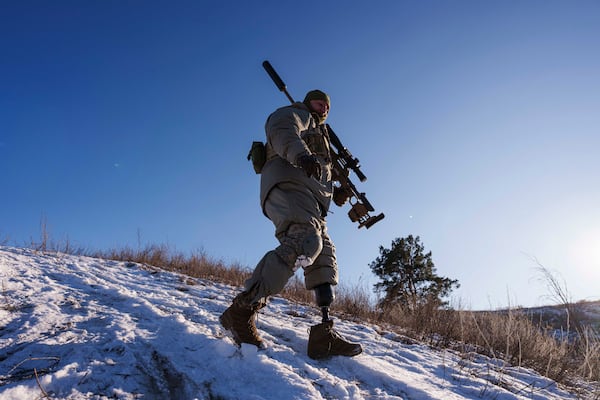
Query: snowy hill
column 95, row 329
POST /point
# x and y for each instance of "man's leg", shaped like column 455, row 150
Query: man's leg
column 269, row 277
column 277, row 266
column 324, row 268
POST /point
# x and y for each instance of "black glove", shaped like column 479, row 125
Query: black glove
column 341, row 195
column 310, row 165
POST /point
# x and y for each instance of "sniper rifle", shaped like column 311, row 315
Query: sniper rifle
column 343, row 162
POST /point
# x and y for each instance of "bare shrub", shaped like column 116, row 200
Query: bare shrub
column 512, row 337
column 47, row 244
column 559, row 293
column 354, row 301
column 4, row 240
column 589, row 353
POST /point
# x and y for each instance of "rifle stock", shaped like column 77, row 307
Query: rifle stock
column 343, row 162
column 360, row 206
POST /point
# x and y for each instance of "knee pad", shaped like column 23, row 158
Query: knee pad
column 324, row 295
column 310, row 247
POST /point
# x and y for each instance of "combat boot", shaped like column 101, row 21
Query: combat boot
column 239, row 320
column 324, row 341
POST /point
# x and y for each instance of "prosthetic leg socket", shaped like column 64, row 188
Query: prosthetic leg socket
column 324, row 296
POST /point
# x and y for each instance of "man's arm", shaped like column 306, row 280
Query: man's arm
column 283, row 134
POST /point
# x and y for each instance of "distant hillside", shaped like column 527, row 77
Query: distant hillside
column 565, row 318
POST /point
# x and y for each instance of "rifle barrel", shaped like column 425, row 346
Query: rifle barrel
column 343, row 152
column 276, row 79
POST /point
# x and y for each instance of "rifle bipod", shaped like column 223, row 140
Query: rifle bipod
column 359, row 213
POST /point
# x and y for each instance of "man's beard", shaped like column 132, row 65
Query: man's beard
column 319, row 117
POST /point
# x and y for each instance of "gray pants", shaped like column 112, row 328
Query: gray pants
column 301, row 231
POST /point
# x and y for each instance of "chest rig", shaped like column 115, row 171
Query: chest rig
column 317, row 141
column 315, row 137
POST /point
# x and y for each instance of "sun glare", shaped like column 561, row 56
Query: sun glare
column 585, row 254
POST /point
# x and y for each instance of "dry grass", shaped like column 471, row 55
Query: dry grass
column 510, row 336
column 197, row 265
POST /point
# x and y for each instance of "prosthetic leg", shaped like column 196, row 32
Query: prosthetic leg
column 323, row 340
column 324, row 296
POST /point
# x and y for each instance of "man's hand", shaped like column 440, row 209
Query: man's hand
column 341, row 195
column 310, row 164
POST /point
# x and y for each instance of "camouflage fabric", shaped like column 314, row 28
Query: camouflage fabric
column 291, row 132
column 296, row 215
column 296, row 204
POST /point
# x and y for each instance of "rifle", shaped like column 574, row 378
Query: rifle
column 343, row 162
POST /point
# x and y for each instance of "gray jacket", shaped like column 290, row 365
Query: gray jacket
column 291, row 132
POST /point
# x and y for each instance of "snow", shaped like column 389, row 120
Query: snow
column 97, row 329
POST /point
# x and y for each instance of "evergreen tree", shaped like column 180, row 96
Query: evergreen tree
column 408, row 276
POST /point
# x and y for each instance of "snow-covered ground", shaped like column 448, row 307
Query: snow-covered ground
column 96, row 329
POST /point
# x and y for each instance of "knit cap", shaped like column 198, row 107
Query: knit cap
column 316, row 95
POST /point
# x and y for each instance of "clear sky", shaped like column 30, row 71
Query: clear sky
column 477, row 124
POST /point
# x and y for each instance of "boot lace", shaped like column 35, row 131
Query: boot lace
column 335, row 337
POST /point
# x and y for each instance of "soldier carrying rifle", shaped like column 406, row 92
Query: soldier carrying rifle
column 297, row 187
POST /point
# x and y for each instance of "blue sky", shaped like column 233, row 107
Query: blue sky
column 477, row 124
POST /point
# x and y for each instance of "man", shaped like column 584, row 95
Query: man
column 296, row 191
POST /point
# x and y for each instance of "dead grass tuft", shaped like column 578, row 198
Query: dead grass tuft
column 196, row 265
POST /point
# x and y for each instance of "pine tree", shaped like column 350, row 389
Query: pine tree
column 408, row 276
